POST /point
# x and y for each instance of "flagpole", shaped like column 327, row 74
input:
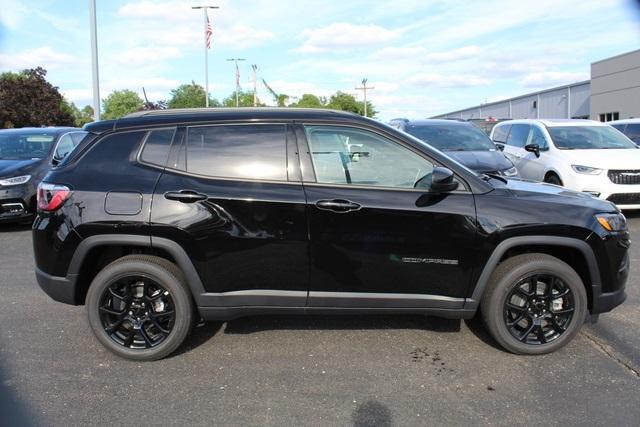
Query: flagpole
column 206, row 53
column 206, row 61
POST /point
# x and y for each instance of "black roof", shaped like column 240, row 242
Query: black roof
column 203, row 115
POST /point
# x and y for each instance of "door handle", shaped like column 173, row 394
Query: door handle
column 185, row 196
column 337, row 205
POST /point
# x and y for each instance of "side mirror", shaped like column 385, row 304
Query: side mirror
column 55, row 161
column 442, row 180
column 533, row 148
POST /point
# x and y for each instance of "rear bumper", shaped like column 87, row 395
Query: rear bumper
column 61, row 289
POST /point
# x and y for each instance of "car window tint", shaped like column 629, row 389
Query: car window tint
column 518, row 135
column 156, row 147
column 343, row 155
column 500, row 133
column 238, row 151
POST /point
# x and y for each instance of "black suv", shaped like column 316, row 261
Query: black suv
column 26, row 155
column 162, row 218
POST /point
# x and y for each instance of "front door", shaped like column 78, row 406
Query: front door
column 376, row 241
column 531, row 166
column 514, row 146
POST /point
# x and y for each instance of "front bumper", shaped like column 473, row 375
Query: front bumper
column 17, row 203
column 625, row 196
column 61, row 289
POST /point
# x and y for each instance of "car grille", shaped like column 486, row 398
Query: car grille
column 625, row 198
column 625, row 176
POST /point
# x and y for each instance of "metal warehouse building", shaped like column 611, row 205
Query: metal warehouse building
column 612, row 93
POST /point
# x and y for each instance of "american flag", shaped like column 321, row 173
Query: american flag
column 208, row 32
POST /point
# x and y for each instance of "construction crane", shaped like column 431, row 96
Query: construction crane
column 280, row 99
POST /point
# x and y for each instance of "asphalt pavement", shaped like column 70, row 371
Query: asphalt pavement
column 288, row 370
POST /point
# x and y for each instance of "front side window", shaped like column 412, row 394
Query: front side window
column 238, row 151
column 518, row 135
column 537, row 137
column 25, row 146
column 588, row 138
column 453, row 137
column 343, row 155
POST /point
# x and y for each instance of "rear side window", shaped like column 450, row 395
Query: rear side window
column 156, row 147
column 518, row 135
column 238, row 151
column 500, row 133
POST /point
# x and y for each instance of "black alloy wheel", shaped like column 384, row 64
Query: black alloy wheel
column 140, row 307
column 534, row 304
column 539, row 309
column 136, row 312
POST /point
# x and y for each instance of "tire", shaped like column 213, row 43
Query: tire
column 149, row 301
column 554, row 179
column 563, row 313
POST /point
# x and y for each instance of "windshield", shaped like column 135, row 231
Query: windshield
column 588, row 138
column 25, row 146
column 453, row 137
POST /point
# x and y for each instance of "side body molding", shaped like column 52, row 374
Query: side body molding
column 512, row 242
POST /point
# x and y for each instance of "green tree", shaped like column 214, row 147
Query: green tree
column 120, row 103
column 80, row 117
column 310, row 101
column 28, row 99
column 245, row 99
column 190, row 96
column 346, row 102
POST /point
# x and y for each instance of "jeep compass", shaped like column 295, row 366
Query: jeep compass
column 164, row 218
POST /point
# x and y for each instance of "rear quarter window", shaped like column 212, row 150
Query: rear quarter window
column 156, row 147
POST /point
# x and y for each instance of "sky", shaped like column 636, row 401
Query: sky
column 423, row 57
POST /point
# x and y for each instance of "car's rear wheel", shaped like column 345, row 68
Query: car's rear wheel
column 534, row 304
column 139, row 307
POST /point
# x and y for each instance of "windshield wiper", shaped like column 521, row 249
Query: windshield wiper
column 488, row 176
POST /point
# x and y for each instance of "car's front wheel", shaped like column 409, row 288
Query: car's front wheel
column 534, row 304
column 139, row 307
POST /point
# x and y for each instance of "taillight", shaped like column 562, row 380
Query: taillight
column 52, row 196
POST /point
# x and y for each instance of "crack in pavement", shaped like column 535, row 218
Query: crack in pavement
column 611, row 353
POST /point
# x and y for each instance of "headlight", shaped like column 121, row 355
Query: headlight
column 512, row 171
column 15, row 180
column 612, row 221
column 587, row 170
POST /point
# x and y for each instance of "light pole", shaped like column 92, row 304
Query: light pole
column 208, row 33
column 94, row 60
column 237, row 78
column 364, row 90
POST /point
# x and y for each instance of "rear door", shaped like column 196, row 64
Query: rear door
column 376, row 241
column 231, row 196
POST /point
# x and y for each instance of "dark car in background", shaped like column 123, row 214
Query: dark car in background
column 26, row 155
column 461, row 140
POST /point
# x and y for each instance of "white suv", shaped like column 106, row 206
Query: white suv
column 581, row 155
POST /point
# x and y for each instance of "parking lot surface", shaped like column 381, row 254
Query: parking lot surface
column 286, row 370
